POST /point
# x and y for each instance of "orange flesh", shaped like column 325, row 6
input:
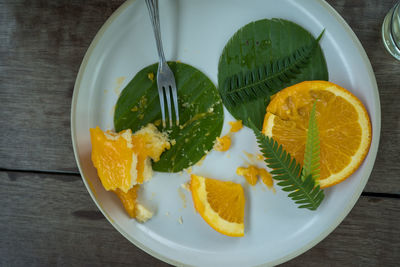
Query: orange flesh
column 112, row 159
column 266, row 177
column 144, row 146
column 139, row 146
column 220, row 203
column 227, row 199
column 339, row 128
column 252, row 173
column 223, row 143
column 340, row 133
column 121, row 158
column 128, row 199
column 235, row 126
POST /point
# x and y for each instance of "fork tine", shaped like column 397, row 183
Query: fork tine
column 175, row 99
column 161, row 96
column 168, row 94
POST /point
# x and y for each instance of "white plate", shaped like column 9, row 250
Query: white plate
column 195, row 32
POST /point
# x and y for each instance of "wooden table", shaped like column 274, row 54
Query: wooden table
column 47, row 216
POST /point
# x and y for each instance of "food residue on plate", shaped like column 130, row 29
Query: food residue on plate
column 200, row 162
column 150, row 75
column 186, row 186
column 119, row 82
column 236, row 126
column 182, row 196
column 224, row 143
column 252, row 173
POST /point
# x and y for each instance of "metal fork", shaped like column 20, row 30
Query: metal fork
column 165, row 77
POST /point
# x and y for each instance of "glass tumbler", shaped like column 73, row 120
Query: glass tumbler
column 391, row 31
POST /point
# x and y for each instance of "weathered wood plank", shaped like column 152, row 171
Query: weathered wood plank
column 369, row 236
column 42, row 44
column 50, row 219
column 365, row 18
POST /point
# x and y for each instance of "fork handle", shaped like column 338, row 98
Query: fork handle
column 152, row 6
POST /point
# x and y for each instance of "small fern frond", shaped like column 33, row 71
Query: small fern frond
column 311, row 154
column 287, row 172
column 267, row 79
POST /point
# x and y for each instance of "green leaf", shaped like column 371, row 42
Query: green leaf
column 200, row 111
column 255, row 51
column 268, row 78
column 311, row 154
column 287, row 172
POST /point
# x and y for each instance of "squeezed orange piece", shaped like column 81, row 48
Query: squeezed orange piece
column 114, row 159
column 235, row 126
column 128, row 200
column 148, row 143
column 266, row 177
column 252, row 173
column 223, row 143
column 123, row 160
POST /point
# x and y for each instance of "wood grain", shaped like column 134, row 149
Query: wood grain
column 49, row 219
column 365, row 18
column 41, row 48
column 369, row 236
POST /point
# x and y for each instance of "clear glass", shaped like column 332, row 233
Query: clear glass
column 391, row 31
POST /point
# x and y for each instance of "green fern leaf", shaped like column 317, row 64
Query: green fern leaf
column 311, row 154
column 287, row 172
column 267, row 79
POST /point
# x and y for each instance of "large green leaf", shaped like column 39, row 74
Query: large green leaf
column 262, row 58
column 200, row 111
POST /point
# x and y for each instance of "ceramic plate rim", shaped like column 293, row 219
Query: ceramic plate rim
column 368, row 169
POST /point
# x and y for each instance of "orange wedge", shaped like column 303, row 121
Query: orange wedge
column 343, row 123
column 221, row 204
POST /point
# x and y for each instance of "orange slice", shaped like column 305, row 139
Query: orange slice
column 221, row 204
column 343, row 123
